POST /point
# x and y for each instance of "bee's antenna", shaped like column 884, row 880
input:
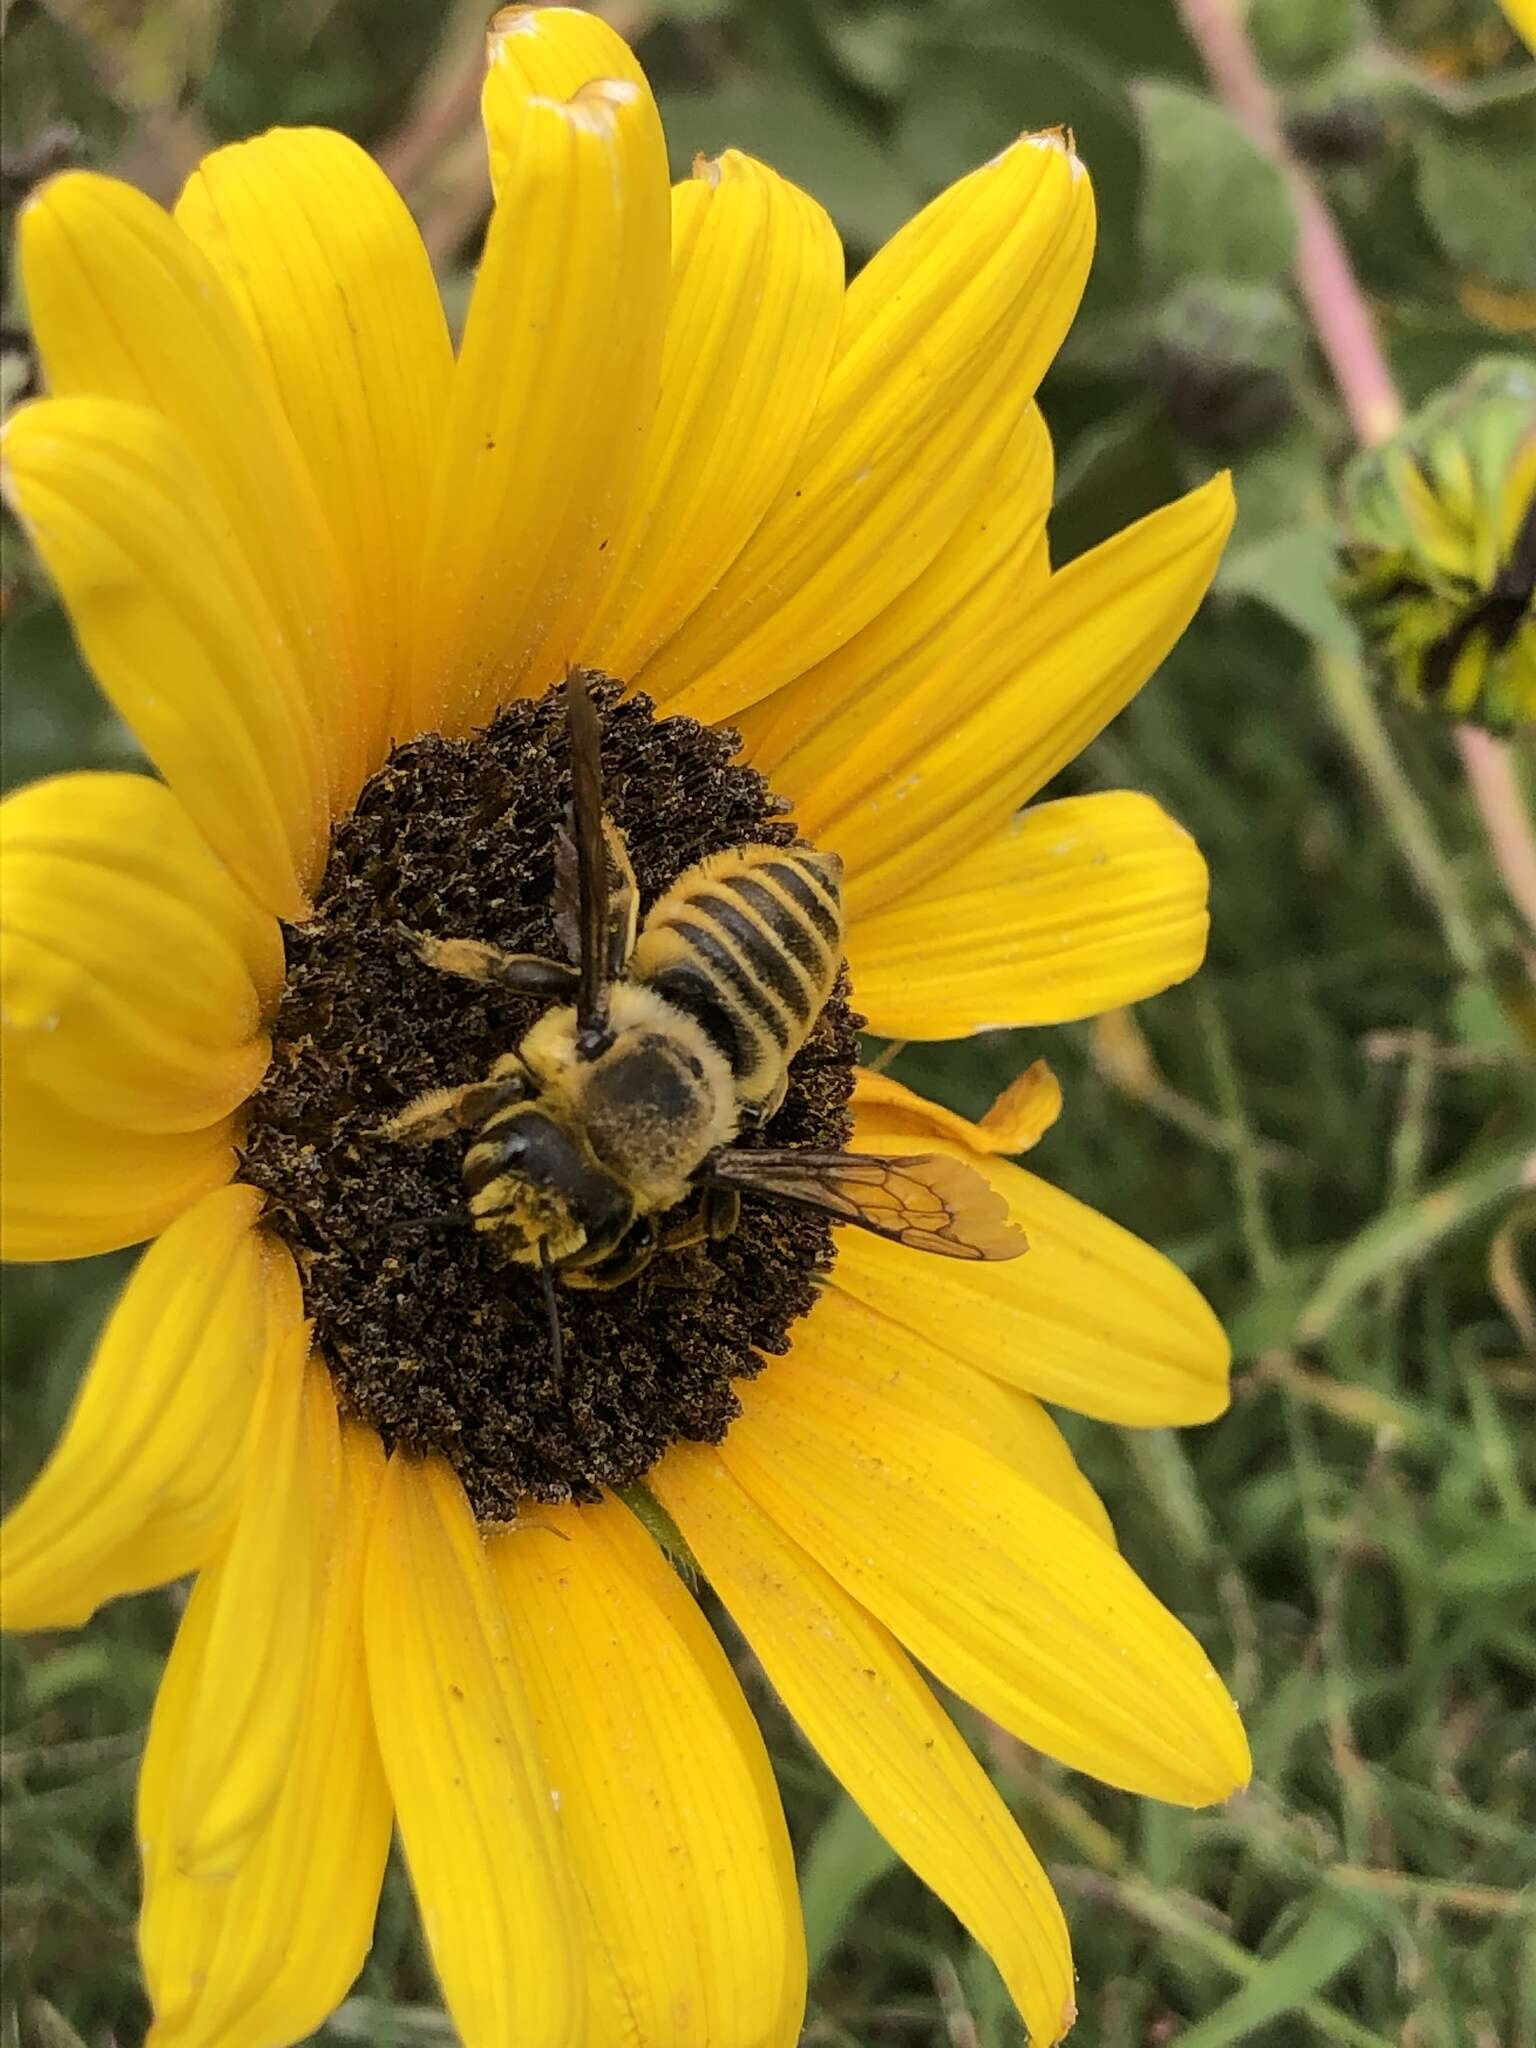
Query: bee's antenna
column 552, row 1309
column 591, row 865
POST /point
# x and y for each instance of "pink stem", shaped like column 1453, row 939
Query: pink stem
column 1347, row 336
column 450, row 103
column 1493, row 780
column 1345, row 330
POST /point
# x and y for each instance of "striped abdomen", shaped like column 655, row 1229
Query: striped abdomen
column 748, row 943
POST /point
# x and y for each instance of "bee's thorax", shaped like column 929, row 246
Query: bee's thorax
column 653, row 1105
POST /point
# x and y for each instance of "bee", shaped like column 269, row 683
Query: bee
column 608, row 1134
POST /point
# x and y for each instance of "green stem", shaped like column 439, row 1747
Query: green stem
column 1358, row 719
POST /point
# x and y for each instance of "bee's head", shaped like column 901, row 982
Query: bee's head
column 533, row 1181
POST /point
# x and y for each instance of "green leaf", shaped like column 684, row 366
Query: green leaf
column 1281, row 485
column 1282, row 550
column 1267, row 1319
column 52, row 716
column 1400, row 1237
column 1122, row 464
column 693, row 10
column 828, row 151
column 1330, row 1936
column 48, row 2028
column 77, row 1667
column 1479, row 1020
column 1128, row 41
column 1294, row 573
column 1477, row 188
column 1212, row 205
column 1497, row 1562
column 875, row 49
column 846, row 1857
column 1297, row 37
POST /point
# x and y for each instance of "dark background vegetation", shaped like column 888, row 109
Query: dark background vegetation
column 1329, row 1128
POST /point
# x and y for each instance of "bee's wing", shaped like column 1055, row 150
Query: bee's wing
column 623, row 897
column 927, row 1201
column 606, row 906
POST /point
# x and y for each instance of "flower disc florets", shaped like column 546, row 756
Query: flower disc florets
column 429, row 1335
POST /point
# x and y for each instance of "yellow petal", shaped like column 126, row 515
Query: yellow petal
column 757, row 297
column 880, row 1730
column 667, row 1804
column 127, row 958
column 1089, row 1316
column 323, row 262
column 274, row 1949
column 825, row 737
column 1515, row 494
column 177, row 629
column 235, row 1759
column 125, row 307
column 945, row 336
column 132, row 825
column 73, row 1185
column 143, row 1483
column 551, row 51
column 1522, row 14
column 179, row 1923
column 1018, row 1119
column 1005, row 1596
column 555, row 386
column 911, row 1372
column 1082, row 647
column 463, row 1763
column 1072, row 908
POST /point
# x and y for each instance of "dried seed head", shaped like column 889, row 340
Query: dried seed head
column 428, row 1336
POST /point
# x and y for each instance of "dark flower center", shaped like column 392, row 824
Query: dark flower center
column 429, row 1335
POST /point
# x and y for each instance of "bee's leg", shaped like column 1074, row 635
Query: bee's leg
column 754, row 1115
column 442, row 1111
column 524, row 974
column 627, row 1258
column 433, row 1115
column 691, row 1227
column 713, row 1217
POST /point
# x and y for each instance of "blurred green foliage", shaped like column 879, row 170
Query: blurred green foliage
column 1329, row 1129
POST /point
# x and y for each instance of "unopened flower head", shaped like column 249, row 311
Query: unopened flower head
column 1439, row 533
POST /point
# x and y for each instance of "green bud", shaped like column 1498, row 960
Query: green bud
column 1438, row 533
column 1225, row 354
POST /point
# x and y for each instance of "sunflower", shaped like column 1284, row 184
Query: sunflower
column 332, row 575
